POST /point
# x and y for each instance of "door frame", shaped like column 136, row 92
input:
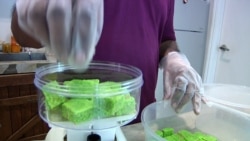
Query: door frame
column 215, row 23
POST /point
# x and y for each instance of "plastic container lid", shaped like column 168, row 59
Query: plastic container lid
column 235, row 96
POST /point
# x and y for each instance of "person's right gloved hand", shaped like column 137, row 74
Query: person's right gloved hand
column 70, row 28
column 181, row 82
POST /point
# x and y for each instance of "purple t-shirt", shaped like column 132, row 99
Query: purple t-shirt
column 132, row 33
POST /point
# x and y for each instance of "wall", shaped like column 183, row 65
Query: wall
column 5, row 8
column 5, row 18
column 229, row 25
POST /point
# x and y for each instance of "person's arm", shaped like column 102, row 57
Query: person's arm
column 22, row 38
column 166, row 47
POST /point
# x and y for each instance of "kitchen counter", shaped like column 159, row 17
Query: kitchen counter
column 14, row 67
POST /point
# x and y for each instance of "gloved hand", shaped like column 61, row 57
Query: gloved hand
column 70, row 28
column 181, row 82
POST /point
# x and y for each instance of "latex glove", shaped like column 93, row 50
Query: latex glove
column 70, row 28
column 181, row 82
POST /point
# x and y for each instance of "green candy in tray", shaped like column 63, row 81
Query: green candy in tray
column 184, row 135
column 78, row 110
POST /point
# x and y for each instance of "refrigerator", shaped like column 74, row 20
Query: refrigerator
column 190, row 24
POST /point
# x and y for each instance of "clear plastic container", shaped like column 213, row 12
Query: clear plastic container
column 234, row 96
column 106, row 95
column 219, row 121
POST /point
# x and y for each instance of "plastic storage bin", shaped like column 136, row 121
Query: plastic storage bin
column 222, row 122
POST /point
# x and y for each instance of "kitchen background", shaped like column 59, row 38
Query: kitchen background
column 201, row 29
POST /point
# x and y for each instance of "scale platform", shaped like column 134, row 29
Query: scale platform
column 59, row 134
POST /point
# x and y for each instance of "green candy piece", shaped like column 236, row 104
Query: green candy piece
column 109, row 87
column 85, row 86
column 184, row 135
column 159, row 132
column 78, row 110
column 52, row 100
column 187, row 135
column 205, row 137
column 168, row 131
column 117, row 105
column 175, row 137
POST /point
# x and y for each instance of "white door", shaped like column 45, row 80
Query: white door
column 229, row 26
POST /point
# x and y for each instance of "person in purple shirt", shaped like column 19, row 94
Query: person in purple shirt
column 134, row 32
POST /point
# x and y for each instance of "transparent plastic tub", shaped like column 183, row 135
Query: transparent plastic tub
column 234, row 96
column 219, row 121
column 104, row 96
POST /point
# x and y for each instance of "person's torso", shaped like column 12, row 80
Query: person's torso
column 131, row 35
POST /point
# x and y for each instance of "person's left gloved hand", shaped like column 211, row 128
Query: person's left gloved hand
column 181, row 82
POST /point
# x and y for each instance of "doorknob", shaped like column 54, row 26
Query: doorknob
column 224, row 48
